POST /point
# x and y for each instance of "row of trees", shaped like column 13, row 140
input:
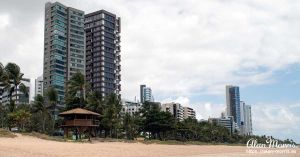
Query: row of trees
column 150, row 122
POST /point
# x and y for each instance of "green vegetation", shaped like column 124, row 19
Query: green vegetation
column 150, row 123
column 6, row 133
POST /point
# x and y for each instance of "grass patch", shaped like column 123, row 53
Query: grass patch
column 44, row 136
column 6, row 133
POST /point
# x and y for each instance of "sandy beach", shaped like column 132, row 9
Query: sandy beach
column 27, row 146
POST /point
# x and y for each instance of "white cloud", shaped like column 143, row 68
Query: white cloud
column 184, row 101
column 4, row 21
column 279, row 120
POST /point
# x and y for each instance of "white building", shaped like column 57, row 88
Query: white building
column 130, row 107
column 174, row 108
column 39, row 86
column 227, row 122
column 188, row 113
column 246, row 119
column 17, row 96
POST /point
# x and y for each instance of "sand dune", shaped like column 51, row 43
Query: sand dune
column 27, row 146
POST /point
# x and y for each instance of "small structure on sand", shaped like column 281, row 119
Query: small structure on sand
column 81, row 122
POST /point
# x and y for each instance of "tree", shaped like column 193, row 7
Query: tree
column 40, row 107
column 95, row 102
column 4, row 80
column 14, row 77
column 2, row 74
column 3, row 116
column 24, row 90
column 155, row 121
column 20, row 118
column 76, row 85
column 111, row 115
column 130, row 127
column 52, row 97
column 158, row 122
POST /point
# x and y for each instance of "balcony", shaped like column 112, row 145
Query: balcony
column 81, row 122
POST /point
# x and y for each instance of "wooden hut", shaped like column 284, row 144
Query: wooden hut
column 79, row 121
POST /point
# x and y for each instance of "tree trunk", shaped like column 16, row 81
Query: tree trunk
column 16, row 89
column 44, row 121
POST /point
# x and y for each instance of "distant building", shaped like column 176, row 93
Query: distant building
column 146, row 94
column 130, row 107
column 233, row 103
column 17, row 96
column 246, row 119
column 174, row 108
column 242, row 113
column 39, row 86
column 227, row 122
column 103, row 69
column 64, row 46
column 188, row 113
column 223, row 114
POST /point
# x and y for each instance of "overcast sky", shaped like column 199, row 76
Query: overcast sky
column 187, row 51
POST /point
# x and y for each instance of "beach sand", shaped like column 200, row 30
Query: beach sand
column 27, row 146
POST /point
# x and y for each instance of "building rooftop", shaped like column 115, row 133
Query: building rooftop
column 79, row 111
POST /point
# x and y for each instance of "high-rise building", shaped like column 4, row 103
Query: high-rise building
column 39, row 86
column 188, row 113
column 174, row 108
column 246, row 119
column 146, row 94
column 18, row 96
column 233, row 103
column 64, row 46
column 242, row 114
column 103, row 49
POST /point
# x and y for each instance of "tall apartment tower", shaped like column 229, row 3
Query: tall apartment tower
column 233, row 103
column 103, row 49
column 146, row 94
column 248, row 120
column 64, row 46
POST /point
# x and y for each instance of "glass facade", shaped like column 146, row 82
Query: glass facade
column 233, row 103
column 58, row 38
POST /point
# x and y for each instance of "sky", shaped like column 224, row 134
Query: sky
column 187, row 51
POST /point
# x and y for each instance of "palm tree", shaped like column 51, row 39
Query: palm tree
column 95, row 102
column 14, row 77
column 24, row 90
column 111, row 114
column 77, row 84
column 4, row 81
column 52, row 97
column 1, row 72
column 39, row 106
